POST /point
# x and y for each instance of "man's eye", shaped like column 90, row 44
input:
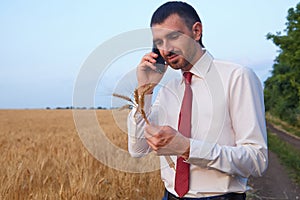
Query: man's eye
column 174, row 36
column 158, row 43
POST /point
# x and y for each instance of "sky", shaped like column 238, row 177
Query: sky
column 44, row 44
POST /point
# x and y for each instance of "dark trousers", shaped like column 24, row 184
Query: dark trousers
column 228, row 196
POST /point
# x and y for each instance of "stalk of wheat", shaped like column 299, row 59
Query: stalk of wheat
column 139, row 104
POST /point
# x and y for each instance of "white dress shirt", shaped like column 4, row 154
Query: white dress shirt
column 228, row 137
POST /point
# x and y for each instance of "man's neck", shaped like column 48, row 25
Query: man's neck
column 197, row 57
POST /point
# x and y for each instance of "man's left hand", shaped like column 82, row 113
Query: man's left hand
column 165, row 140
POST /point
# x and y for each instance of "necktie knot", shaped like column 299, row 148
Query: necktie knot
column 188, row 77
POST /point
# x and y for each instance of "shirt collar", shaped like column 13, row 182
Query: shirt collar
column 202, row 66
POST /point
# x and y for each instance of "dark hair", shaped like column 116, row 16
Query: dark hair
column 184, row 10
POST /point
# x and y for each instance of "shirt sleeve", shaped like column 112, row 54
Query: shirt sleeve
column 137, row 144
column 249, row 155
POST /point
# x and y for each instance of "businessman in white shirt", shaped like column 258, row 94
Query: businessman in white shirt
column 222, row 139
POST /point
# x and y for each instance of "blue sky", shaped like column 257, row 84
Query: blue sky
column 45, row 43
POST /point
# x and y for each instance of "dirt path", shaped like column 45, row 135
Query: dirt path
column 275, row 183
column 293, row 140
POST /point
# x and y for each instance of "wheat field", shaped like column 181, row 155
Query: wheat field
column 42, row 157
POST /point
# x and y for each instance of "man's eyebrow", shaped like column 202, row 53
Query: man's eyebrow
column 176, row 31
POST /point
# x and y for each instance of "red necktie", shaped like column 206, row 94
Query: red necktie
column 184, row 127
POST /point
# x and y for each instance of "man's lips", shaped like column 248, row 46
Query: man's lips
column 172, row 57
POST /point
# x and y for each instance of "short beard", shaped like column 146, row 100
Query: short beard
column 182, row 64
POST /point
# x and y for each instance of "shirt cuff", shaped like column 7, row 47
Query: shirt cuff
column 201, row 153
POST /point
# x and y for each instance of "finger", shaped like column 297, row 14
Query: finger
column 146, row 65
column 152, row 130
column 150, row 58
column 152, row 142
column 156, row 142
column 155, row 55
column 147, row 135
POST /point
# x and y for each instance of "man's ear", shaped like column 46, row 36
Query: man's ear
column 197, row 30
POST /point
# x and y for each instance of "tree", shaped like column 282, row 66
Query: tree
column 282, row 89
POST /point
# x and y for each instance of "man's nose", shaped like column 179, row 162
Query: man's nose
column 167, row 48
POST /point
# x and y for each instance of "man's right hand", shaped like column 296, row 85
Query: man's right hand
column 147, row 72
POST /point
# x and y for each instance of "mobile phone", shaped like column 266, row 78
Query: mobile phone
column 160, row 62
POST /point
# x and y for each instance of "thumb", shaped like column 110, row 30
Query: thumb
column 152, row 129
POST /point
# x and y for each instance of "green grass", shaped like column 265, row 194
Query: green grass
column 288, row 155
column 282, row 125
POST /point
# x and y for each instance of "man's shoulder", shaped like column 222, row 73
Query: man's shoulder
column 231, row 68
column 227, row 64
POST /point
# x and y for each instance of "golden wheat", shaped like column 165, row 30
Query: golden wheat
column 42, row 157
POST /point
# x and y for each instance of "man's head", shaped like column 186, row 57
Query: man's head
column 177, row 32
column 182, row 9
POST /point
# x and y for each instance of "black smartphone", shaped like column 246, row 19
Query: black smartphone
column 160, row 62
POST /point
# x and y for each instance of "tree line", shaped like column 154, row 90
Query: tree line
column 282, row 88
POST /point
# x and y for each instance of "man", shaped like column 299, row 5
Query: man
column 212, row 126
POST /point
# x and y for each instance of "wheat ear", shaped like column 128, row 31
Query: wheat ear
column 139, row 103
column 123, row 97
